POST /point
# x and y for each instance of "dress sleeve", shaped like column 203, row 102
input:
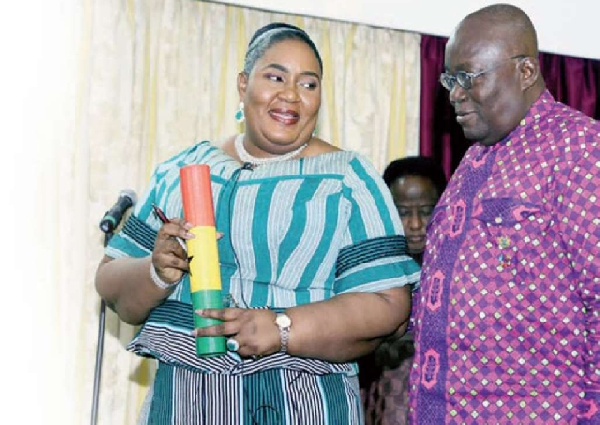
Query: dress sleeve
column 373, row 254
column 136, row 237
column 578, row 215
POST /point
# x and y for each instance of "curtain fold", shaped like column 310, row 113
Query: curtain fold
column 440, row 135
column 158, row 76
column 573, row 81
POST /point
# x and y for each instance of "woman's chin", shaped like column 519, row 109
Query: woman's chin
column 417, row 250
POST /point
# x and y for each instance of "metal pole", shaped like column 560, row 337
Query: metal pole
column 99, row 351
column 109, row 222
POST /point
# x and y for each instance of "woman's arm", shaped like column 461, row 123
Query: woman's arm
column 340, row 329
column 348, row 325
column 125, row 283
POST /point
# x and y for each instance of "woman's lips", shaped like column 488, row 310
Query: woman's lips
column 284, row 117
column 415, row 239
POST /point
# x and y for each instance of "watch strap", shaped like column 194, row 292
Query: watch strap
column 284, row 333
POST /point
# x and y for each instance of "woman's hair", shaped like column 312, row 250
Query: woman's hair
column 271, row 34
column 421, row 166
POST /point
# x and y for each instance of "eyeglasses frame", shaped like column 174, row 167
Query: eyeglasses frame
column 470, row 76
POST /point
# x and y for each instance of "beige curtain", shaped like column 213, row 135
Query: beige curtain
column 153, row 77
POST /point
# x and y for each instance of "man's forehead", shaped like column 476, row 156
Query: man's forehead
column 468, row 49
column 482, row 35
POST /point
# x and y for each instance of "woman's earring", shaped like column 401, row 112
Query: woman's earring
column 239, row 114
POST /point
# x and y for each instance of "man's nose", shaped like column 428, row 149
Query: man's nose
column 457, row 94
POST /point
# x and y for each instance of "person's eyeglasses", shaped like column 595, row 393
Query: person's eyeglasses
column 465, row 79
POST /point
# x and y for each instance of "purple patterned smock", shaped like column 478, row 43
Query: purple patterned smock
column 507, row 321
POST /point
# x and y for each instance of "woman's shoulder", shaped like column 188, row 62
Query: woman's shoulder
column 325, row 156
column 318, row 146
column 348, row 165
column 203, row 152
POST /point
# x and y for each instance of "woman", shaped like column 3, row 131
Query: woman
column 310, row 258
column 416, row 184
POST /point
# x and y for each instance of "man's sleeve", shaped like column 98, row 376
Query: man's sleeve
column 579, row 214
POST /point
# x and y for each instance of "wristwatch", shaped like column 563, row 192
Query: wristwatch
column 284, row 323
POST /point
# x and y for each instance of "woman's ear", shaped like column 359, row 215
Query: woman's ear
column 242, row 83
column 529, row 71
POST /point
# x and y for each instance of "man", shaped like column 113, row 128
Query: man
column 507, row 322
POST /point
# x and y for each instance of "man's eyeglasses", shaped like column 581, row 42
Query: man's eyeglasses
column 465, row 79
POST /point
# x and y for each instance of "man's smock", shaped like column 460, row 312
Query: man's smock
column 507, row 319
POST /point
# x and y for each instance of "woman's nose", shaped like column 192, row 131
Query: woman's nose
column 414, row 221
column 289, row 93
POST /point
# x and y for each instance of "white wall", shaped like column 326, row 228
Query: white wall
column 567, row 27
column 37, row 40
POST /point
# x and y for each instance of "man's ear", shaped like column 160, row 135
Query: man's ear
column 529, row 71
column 242, row 83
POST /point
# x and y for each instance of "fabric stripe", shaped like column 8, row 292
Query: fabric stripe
column 326, row 234
column 165, row 336
column 292, row 239
column 375, row 213
column 305, row 398
column 279, row 295
column 264, row 399
column 260, row 220
column 161, row 408
column 139, row 232
column 374, row 275
column 431, row 402
column 369, row 250
column 224, row 199
column 243, row 245
column 173, row 313
column 273, row 397
column 336, row 400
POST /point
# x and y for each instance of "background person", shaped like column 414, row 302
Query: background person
column 416, row 183
column 310, row 236
column 507, row 327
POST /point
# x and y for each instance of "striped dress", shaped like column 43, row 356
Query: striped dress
column 296, row 232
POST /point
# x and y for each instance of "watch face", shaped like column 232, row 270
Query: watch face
column 283, row 321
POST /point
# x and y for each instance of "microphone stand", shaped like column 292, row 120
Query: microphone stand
column 109, row 222
column 100, row 348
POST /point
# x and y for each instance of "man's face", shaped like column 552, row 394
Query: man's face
column 494, row 104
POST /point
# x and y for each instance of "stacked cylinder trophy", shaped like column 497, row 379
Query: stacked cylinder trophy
column 203, row 255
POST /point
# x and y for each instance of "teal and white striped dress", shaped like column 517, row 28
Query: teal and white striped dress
column 295, row 232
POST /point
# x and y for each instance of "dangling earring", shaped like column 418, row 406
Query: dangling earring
column 239, row 114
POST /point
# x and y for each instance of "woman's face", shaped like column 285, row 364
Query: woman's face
column 415, row 197
column 281, row 96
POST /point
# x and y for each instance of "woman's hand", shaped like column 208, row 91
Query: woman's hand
column 169, row 256
column 254, row 329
